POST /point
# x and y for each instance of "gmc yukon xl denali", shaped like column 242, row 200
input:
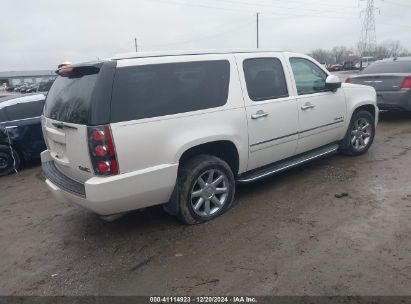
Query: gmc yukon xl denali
column 183, row 129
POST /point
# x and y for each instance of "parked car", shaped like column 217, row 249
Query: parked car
column 45, row 86
column 365, row 62
column 182, row 129
column 349, row 65
column 21, row 137
column 391, row 78
column 324, row 64
column 24, row 87
column 336, row 67
column 10, row 88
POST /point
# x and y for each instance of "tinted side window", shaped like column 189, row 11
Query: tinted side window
column 265, row 79
column 24, row 110
column 308, row 76
column 171, row 88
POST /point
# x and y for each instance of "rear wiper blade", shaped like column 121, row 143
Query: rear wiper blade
column 61, row 125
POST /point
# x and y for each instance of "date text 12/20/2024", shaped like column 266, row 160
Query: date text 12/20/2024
column 203, row 299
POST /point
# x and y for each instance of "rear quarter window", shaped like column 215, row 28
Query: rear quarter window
column 164, row 89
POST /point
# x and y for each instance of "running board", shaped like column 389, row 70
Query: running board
column 289, row 163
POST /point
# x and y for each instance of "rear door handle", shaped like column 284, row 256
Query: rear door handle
column 307, row 106
column 259, row 114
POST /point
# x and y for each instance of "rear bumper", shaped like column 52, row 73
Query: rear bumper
column 114, row 194
column 395, row 100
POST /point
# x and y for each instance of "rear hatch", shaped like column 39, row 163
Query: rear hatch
column 79, row 98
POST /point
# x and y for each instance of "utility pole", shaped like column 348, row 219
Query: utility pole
column 368, row 40
column 135, row 43
column 258, row 32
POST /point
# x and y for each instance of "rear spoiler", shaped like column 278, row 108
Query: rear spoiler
column 73, row 71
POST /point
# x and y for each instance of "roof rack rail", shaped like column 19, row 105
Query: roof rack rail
column 188, row 53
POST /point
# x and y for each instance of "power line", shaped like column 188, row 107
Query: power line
column 398, row 4
column 228, row 30
column 335, row 14
column 275, row 6
column 249, row 11
column 282, row 14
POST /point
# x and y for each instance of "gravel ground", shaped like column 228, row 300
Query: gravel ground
column 286, row 235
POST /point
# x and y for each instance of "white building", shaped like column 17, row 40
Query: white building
column 18, row 77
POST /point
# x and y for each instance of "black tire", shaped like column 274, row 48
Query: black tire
column 188, row 184
column 7, row 163
column 347, row 146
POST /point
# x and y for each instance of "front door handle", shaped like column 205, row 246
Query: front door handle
column 259, row 114
column 307, row 106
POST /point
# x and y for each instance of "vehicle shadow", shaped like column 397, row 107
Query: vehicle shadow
column 30, row 164
column 155, row 219
column 393, row 116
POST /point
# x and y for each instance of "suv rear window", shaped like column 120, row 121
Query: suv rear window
column 69, row 99
column 164, row 89
column 388, row 67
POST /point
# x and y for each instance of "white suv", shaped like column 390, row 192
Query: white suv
column 182, row 129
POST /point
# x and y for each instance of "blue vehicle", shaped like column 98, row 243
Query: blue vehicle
column 21, row 137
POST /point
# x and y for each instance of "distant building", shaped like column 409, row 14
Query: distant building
column 18, row 77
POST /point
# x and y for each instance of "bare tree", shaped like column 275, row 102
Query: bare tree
column 394, row 48
column 339, row 53
column 321, row 55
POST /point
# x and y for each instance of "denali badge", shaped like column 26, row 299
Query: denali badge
column 85, row 169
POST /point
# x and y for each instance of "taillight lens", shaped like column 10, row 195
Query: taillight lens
column 103, row 167
column 348, row 80
column 406, row 84
column 102, row 150
column 97, row 135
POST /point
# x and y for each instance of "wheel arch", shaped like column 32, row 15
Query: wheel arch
column 371, row 108
column 363, row 106
column 224, row 149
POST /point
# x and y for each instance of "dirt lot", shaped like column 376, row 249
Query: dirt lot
column 287, row 235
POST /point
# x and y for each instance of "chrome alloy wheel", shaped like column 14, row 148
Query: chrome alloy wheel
column 209, row 193
column 361, row 134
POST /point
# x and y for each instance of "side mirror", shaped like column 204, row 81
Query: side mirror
column 332, row 83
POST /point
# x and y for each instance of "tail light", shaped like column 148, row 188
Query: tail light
column 102, row 151
column 406, row 84
column 348, row 80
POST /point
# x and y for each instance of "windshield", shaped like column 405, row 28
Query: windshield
column 388, row 67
